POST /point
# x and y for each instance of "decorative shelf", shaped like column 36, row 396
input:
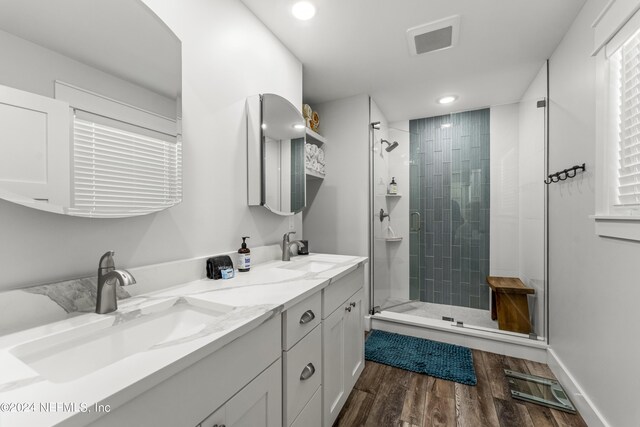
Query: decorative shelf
column 311, row 174
column 315, row 138
column 318, row 140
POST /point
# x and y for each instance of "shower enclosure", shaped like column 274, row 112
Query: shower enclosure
column 470, row 203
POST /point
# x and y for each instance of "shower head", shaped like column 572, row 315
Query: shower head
column 390, row 146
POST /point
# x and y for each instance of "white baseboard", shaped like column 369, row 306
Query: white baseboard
column 580, row 399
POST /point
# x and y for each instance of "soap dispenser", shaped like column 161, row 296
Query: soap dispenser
column 244, row 256
column 393, row 187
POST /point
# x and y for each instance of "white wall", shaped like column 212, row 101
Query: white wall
column 337, row 206
column 227, row 55
column 399, row 161
column 335, row 220
column 504, row 175
column 46, row 66
column 593, row 281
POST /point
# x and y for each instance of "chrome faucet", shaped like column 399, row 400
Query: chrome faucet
column 108, row 279
column 286, row 245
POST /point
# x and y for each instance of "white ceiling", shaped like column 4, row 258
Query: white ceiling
column 359, row 46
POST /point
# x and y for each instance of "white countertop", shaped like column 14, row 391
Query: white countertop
column 28, row 398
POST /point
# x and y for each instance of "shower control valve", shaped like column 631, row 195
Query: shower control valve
column 384, row 215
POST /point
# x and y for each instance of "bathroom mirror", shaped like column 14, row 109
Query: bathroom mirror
column 276, row 138
column 90, row 108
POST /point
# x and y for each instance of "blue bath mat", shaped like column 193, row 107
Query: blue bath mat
column 440, row 360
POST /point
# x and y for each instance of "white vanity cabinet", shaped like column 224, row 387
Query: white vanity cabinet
column 256, row 405
column 323, row 352
column 240, row 383
column 294, row 370
column 342, row 342
column 302, row 362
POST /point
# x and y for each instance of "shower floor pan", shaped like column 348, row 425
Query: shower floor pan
column 539, row 390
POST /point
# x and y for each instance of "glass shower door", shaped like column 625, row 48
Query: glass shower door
column 390, row 222
column 473, row 203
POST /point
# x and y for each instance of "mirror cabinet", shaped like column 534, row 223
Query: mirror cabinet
column 276, row 154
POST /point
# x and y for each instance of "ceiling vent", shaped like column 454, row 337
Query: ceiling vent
column 434, row 36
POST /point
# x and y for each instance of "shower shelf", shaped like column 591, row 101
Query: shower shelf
column 393, row 239
column 393, row 195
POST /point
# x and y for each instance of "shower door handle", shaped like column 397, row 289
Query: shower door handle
column 415, row 227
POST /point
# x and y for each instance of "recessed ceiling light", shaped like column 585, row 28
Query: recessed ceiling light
column 298, row 126
column 303, row 10
column 445, row 125
column 263, row 126
column 447, row 99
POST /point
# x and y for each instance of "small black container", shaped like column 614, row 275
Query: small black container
column 305, row 249
column 217, row 263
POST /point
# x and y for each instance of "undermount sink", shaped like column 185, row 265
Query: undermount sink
column 76, row 352
column 310, row 266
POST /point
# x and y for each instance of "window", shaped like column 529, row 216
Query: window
column 617, row 46
column 119, row 172
column 624, row 71
column 125, row 161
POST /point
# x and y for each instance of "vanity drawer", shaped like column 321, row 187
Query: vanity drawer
column 311, row 415
column 300, row 319
column 339, row 291
column 302, row 374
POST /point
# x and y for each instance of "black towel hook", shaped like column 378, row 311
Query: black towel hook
column 564, row 174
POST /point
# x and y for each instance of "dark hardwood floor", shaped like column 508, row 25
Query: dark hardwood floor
column 386, row 396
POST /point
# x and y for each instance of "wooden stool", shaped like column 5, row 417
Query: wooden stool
column 509, row 303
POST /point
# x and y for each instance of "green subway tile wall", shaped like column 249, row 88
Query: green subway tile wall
column 298, row 196
column 450, row 188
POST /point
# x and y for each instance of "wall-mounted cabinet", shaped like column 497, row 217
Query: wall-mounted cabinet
column 275, row 154
column 34, row 163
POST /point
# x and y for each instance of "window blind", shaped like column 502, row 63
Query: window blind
column 118, row 172
column 625, row 69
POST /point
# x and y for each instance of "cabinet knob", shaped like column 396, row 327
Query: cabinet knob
column 308, row 371
column 307, row 317
column 348, row 308
column 353, row 304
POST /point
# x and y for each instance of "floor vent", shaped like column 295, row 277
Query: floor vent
column 434, row 36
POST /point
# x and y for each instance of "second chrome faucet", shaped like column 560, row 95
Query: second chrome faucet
column 286, row 245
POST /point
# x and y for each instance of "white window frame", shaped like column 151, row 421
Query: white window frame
column 618, row 21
